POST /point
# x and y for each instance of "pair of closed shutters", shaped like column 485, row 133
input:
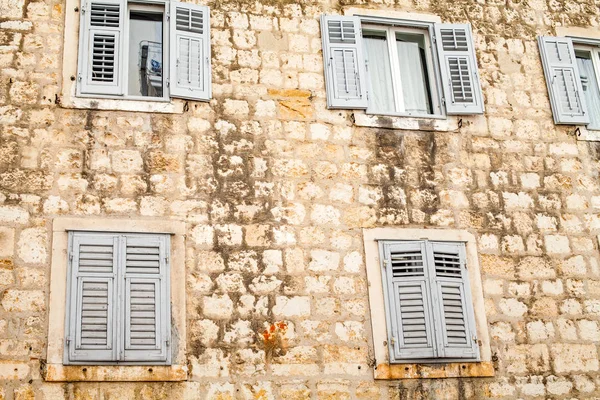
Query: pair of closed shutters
column 563, row 81
column 118, row 299
column 346, row 77
column 102, row 58
column 428, row 298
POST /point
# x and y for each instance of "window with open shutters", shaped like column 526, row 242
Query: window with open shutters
column 428, row 302
column 400, row 67
column 152, row 50
column 118, row 290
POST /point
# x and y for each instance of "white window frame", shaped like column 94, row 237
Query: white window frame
column 433, row 69
column 384, row 369
column 55, row 370
column 594, row 50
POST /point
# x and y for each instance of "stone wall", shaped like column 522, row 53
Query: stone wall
column 275, row 190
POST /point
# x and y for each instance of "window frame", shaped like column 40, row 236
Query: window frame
column 54, row 370
column 433, row 67
column 594, row 50
column 149, row 6
column 139, row 5
column 434, row 92
column 380, row 349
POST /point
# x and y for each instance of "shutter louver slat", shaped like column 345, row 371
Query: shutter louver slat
column 190, row 52
column 563, row 82
column 344, row 62
column 461, row 86
column 107, row 15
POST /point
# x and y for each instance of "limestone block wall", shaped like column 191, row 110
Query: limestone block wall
column 275, row 191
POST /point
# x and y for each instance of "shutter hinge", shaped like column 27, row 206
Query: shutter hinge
column 79, row 77
column 68, row 340
column 71, row 256
column 393, row 341
column 386, row 263
column 168, row 343
column 168, row 82
column 167, row 260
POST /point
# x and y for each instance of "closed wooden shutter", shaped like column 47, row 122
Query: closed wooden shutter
column 101, row 47
column 344, row 62
column 563, row 82
column 147, row 317
column 455, row 320
column 409, row 314
column 190, row 75
column 118, row 299
column 460, row 77
column 92, row 333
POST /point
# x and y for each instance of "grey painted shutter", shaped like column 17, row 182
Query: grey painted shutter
column 562, row 79
column 147, row 323
column 460, row 78
column 101, row 47
column 190, row 75
column 91, row 332
column 454, row 316
column 345, row 75
column 409, row 301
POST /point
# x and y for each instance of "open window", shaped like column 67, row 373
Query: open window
column 144, row 50
column 400, row 67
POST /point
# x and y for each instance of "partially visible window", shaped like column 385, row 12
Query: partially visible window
column 399, row 68
column 588, row 60
column 118, row 308
column 429, row 310
column 392, row 67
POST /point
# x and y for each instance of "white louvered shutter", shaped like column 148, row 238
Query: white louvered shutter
column 147, row 322
column 455, row 321
column 409, row 317
column 101, row 47
column 190, row 76
column 92, row 330
column 563, row 82
column 345, row 75
column 460, row 78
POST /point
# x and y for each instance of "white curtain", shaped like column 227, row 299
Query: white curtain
column 590, row 90
column 381, row 96
column 413, row 78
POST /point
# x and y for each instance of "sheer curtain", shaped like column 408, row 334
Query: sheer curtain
column 380, row 74
column 412, row 74
column 590, row 90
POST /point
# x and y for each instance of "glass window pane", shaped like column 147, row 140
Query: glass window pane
column 381, row 96
column 413, row 73
column 145, row 54
column 589, row 82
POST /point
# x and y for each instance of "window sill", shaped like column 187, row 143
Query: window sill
column 164, row 107
column 425, row 371
column 587, row 135
column 405, row 123
column 114, row 373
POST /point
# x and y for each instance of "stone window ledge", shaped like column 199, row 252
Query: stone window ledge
column 163, row 107
column 586, row 135
column 437, row 371
column 112, row 373
column 405, row 123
